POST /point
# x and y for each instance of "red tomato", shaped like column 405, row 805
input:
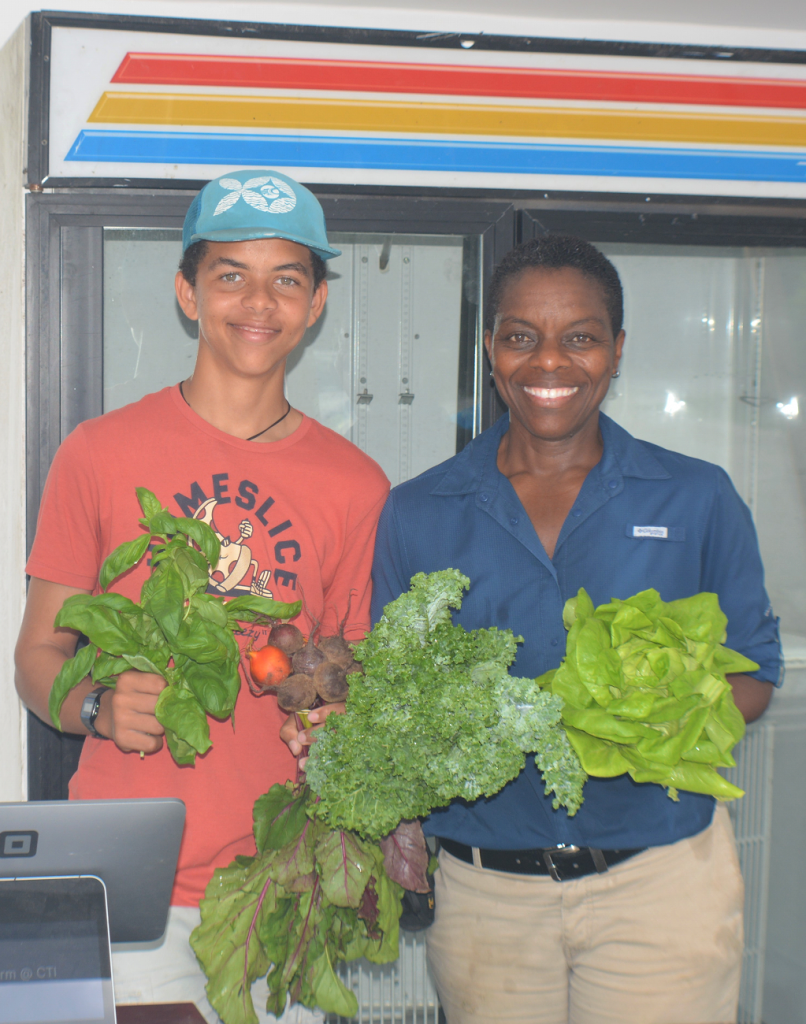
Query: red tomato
column 269, row 666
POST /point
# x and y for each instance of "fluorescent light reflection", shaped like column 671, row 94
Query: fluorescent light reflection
column 673, row 403
column 789, row 409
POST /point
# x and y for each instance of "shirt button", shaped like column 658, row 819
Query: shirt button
column 554, row 642
column 613, row 485
column 483, row 497
column 576, row 512
column 514, row 521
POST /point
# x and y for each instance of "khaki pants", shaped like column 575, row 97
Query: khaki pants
column 654, row 940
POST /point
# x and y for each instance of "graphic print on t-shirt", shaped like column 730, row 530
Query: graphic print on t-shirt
column 235, row 559
column 239, row 571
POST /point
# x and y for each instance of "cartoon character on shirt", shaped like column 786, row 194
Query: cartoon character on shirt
column 235, row 559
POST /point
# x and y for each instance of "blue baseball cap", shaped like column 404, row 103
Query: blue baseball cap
column 243, row 205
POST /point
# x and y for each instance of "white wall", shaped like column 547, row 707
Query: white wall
column 12, row 408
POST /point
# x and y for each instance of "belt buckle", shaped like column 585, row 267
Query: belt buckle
column 548, row 858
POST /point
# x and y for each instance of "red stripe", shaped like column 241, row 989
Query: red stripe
column 451, row 80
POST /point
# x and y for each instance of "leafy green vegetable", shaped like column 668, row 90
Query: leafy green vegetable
column 177, row 631
column 644, row 691
column 311, row 898
column 435, row 716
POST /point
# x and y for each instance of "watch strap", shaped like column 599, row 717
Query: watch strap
column 90, row 707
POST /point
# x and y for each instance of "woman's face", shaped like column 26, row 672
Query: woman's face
column 553, row 351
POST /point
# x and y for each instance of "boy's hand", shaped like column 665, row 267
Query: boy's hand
column 126, row 714
column 298, row 739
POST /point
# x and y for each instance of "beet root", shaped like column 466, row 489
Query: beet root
column 355, row 666
column 330, row 682
column 287, row 637
column 268, row 667
column 306, row 661
column 337, row 650
column 297, row 693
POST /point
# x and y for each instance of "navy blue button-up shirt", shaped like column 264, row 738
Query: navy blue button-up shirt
column 645, row 517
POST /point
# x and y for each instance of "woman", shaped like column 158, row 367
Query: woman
column 640, row 919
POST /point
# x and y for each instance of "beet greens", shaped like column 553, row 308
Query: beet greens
column 311, row 898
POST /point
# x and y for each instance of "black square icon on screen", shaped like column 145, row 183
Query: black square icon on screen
column 18, row 844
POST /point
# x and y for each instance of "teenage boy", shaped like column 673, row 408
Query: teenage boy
column 294, row 504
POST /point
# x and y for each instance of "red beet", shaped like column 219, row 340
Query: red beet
column 309, row 658
column 337, row 650
column 330, row 682
column 287, row 637
column 296, row 694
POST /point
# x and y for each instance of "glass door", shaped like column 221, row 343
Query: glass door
column 392, row 364
column 714, row 366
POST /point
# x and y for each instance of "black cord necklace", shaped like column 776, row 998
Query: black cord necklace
column 260, row 432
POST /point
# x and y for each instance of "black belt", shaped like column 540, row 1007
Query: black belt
column 560, row 862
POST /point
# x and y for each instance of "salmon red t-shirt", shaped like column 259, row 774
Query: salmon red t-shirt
column 296, row 518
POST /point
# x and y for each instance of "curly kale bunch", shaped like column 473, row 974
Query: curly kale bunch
column 435, row 716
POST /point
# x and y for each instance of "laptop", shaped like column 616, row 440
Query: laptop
column 55, row 957
column 131, row 845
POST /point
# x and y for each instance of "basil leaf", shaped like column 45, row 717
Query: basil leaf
column 193, row 568
column 143, row 664
column 178, row 710
column 72, row 672
column 167, row 600
column 105, row 628
column 123, row 558
column 148, row 502
column 209, row 685
column 181, row 751
column 246, row 608
column 210, row 607
column 201, row 534
column 107, row 666
column 202, row 641
column 162, row 523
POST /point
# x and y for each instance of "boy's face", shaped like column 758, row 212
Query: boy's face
column 253, row 301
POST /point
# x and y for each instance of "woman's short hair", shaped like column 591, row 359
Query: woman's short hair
column 195, row 253
column 555, row 252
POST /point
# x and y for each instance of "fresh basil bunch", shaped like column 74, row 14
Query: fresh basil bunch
column 177, row 631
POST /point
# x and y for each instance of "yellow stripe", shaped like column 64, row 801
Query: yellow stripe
column 317, row 114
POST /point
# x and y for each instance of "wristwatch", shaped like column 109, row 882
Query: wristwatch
column 90, row 707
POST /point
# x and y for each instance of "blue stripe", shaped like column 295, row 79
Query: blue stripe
column 435, row 155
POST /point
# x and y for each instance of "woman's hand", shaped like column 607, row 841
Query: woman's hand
column 298, row 739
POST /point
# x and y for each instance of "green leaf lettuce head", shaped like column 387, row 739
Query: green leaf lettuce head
column 435, row 716
column 645, row 694
column 177, row 630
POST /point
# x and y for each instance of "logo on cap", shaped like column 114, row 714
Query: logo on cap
column 267, row 194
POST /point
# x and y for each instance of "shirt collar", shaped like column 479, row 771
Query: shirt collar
column 623, row 456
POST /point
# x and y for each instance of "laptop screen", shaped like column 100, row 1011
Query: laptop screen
column 54, row 952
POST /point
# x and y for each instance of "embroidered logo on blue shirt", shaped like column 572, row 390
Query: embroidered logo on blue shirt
column 650, row 531
column 675, row 533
